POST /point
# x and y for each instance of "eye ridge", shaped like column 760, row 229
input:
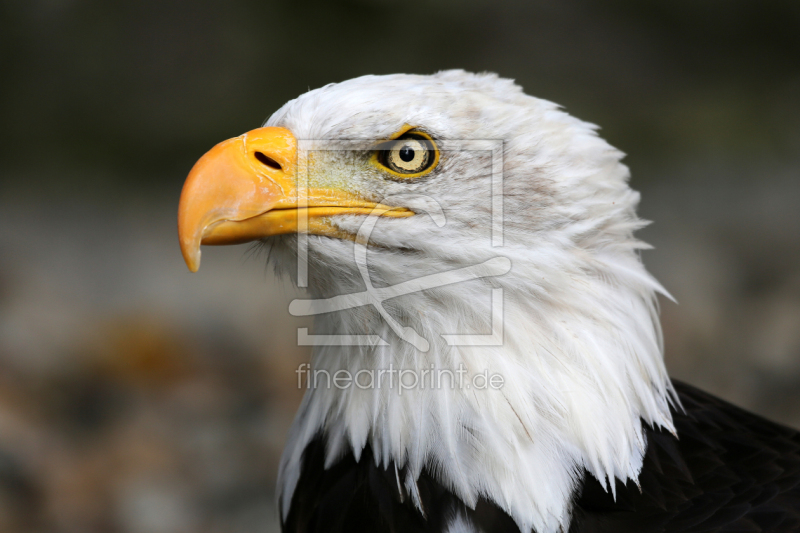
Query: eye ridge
column 408, row 154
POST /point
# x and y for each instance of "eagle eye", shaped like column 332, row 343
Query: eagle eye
column 410, row 154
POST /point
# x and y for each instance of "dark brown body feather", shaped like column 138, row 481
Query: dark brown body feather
column 730, row 471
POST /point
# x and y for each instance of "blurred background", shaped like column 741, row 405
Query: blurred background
column 138, row 398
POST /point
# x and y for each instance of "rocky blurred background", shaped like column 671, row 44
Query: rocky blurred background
column 137, row 398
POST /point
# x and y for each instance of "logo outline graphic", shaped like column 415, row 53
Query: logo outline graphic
column 495, row 266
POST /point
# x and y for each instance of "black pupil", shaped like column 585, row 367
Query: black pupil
column 406, row 153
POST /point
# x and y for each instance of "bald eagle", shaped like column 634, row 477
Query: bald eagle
column 498, row 250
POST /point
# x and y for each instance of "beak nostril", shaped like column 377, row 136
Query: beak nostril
column 266, row 160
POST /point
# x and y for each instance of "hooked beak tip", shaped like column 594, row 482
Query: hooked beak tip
column 190, row 249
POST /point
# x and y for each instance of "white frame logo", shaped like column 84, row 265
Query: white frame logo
column 495, row 266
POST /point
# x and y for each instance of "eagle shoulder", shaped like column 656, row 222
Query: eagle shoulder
column 728, row 470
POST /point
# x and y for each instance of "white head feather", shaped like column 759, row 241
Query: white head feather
column 581, row 358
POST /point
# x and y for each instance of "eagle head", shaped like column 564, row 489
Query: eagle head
column 426, row 200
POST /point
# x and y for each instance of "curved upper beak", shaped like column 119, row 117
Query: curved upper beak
column 246, row 188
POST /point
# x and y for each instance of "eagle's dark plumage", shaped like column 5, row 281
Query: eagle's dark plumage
column 730, row 471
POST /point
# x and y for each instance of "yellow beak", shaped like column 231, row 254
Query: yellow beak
column 245, row 189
